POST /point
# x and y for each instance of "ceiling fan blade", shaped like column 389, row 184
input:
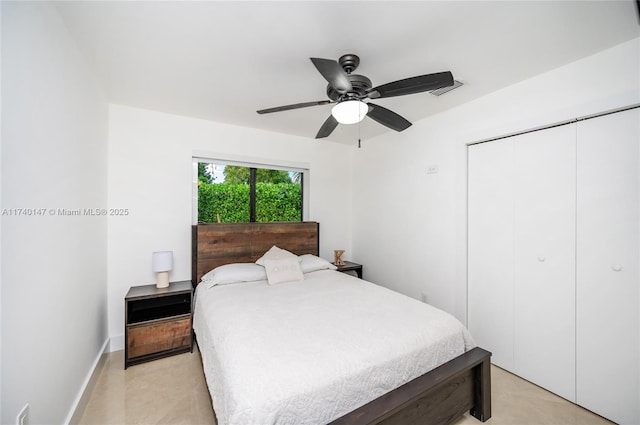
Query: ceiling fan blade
column 327, row 128
column 293, row 106
column 333, row 73
column 387, row 117
column 412, row 85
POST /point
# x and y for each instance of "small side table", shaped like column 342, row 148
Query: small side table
column 350, row 266
column 158, row 322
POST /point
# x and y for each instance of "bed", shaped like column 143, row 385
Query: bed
column 327, row 357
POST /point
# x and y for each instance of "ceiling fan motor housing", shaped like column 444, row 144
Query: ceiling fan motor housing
column 359, row 83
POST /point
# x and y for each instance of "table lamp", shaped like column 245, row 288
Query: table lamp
column 161, row 263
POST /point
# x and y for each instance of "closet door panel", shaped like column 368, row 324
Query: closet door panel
column 607, row 270
column 490, row 249
column 544, row 259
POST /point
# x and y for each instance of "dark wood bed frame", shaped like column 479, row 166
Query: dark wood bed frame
column 438, row 397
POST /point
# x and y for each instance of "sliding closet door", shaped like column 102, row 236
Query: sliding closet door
column 607, row 271
column 490, row 249
column 544, row 259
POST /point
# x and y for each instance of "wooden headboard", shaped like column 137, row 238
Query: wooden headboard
column 216, row 244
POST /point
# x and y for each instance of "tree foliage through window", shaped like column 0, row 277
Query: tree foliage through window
column 234, row 174
column 204, row 174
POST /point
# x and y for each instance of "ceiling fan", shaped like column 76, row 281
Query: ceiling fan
column 349, row 92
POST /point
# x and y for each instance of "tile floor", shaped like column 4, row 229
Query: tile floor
column 173, row 391
column 515, row 401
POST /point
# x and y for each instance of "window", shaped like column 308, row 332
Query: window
column 237, row 193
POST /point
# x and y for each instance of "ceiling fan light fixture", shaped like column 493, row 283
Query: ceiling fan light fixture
column 350, row 111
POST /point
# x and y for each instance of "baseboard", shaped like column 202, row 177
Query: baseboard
column 79, row 404
column 116, row 343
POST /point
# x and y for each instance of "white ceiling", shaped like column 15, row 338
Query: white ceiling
column 222, row 61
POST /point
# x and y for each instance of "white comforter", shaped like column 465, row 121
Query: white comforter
column 311, row 351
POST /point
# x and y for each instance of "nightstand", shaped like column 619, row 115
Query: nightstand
column 349, row 266
column 157, row 322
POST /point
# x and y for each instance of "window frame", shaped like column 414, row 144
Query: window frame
column 303, row 169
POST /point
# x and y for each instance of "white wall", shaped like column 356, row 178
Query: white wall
column 150, row 173
column 410, row 231
column 54, row 155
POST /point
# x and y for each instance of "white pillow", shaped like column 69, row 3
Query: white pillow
column 311, row 263
column 283, row 270
column 234, row 273
column 275, row 253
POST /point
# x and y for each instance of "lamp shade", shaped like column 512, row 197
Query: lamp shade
column 350, row 111
column 162, row 261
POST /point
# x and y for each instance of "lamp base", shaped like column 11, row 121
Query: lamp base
column 162, row 280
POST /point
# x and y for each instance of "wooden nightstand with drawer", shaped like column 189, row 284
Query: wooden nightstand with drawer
column 158, row 322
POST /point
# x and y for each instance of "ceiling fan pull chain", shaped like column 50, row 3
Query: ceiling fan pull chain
column 359, row 126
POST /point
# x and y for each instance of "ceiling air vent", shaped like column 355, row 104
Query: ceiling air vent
column 444, row 90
